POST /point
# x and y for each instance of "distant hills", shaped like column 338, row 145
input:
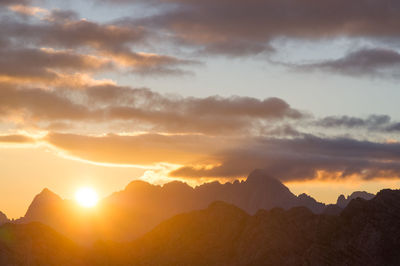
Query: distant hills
column 128, row 214
column 364, row 233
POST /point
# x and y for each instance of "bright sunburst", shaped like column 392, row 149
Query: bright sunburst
column 86, row 197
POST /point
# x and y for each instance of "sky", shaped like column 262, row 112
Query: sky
column 100, row 92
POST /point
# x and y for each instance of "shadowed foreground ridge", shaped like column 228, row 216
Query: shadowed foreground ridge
column 365, row 233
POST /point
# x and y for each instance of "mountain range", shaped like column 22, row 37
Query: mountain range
column 130, row 213
column 364, row 233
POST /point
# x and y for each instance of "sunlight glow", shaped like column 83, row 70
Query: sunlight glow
column 86, row 197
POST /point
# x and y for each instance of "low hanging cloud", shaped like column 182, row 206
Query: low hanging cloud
column 376, row 62
column 305, row 158
column 199, row 156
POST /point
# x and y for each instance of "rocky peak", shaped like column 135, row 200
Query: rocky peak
column 3, row 218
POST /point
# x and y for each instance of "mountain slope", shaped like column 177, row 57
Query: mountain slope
column 130, row 213
column 64, row 216
column 3, row 218
column 37, row 244
column 366, row 233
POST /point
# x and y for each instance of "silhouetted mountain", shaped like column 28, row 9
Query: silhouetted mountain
column 62, row 215
column 156, row 203
column 130, row 213
column 365, row 233
column 309, row 202
column 342, row 201
column 45, row 203
column 3, row 218
column 37, row 244
column 332, row 209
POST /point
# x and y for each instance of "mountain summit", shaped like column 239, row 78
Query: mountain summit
column 128, row 214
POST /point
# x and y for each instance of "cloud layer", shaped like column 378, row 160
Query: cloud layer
column 247, row 27
column 366, row 62
column 149, row 110
column 305, row 158
column 52, row 64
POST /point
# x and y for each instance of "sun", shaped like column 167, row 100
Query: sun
column 86, row 197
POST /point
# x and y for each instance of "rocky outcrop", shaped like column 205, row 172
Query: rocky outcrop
column 3, row 218
column 342, row 201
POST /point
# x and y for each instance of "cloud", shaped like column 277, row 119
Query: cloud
column 373, row 123
column 13, row 2
column 213, row 137
column 16, row 139
column 48, row 66
column 375, row 62
column 62, row 30
column 240, row 28
column 36, row 105
column 145, row 110
column 27, row 10
column 288, row 159
column 304, row 158
column 143, row 149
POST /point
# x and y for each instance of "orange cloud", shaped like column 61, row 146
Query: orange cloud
column 17, row 139
column 144, row 149
column 28, row 10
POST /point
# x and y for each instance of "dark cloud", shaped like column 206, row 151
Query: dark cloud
column 29, row 64
column 304, row 158
column 301, row 158
column 147, row 109
column 37, row 105
column 238, row 27
column 376, row 123
column 62, row 16
column 62, row 29
column 367, row 62
column 13, row 2
column 372, row 121
column 394, row 127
